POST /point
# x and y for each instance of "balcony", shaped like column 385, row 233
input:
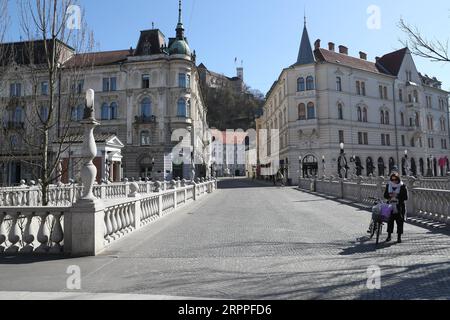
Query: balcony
column 413, row 105
column 145, row 120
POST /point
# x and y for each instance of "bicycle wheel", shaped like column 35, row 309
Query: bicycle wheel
column 372, row 229
column 379, row 230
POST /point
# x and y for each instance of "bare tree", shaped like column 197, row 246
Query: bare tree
column 434, row 50
column 50, row 65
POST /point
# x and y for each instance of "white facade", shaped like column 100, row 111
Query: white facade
column 376, row 122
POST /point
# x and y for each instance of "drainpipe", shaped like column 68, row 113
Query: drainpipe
column 395, row 123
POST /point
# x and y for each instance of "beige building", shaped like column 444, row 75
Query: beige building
column 377, row 109
column 149, row 97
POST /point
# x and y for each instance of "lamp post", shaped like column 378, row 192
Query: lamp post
column 407, row 167
column 342, row 162
column 323, row 165
column 300, row 173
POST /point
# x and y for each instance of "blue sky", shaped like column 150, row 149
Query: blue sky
column 266, row 34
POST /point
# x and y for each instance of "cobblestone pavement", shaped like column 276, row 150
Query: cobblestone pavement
column 251, row 241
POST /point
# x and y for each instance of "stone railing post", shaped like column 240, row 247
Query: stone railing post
column 342, row 192
column 195, row 191
column 137, row 210
column 359, row 182
column 411, row 203
column 127, row 186
column 33, row 199
column 85, row 223
column 380, row 187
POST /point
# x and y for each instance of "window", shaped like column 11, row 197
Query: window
column 385, row 90
column 78, row 113
column 310, row 83
column 44, row 88
column 359, row 111
column 387, row 117
column 145, row 81
column 311, row 111
column 383, row 139
column 15, row 90
column 363, row 138
column 146, row 108
column 366, row 138
column 403, row 141
column 114, row 111
column 18, row 115
column 381, row 91
column 300, row 84
column 341, row 136
column 400, row 95
column 43, row 113
column 80, row 86
column 105, row 111
column 188, row 81
column 388, row 139
column 382, row 120
column 402, row 119
column 416, row 96
column 181, row 108
column 145, row 138
column 360, row 138
column 365, row 117
column 182, row 80
column 109, row 84
column 339, row 84
column 301, row 111
column 358, row 88
column 340, row 112
column 363, row 88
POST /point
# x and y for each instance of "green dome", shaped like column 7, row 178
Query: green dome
column 180, row 47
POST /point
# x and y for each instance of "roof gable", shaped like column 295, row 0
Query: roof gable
column 392, row 62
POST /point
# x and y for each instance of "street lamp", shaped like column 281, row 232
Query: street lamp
column 323, row 165
column 300, row 166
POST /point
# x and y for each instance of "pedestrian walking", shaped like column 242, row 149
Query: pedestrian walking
column 397, row 193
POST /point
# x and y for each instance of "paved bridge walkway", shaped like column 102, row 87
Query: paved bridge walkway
column 249, row 241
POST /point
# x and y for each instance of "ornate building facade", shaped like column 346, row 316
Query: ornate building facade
column 385, row 113
column 149, row 98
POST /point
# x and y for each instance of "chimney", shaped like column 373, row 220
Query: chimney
column 363, row 55
column 343, row 50
column 317, row 44
column 331, row 46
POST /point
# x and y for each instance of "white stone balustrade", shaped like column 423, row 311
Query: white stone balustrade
column 32, row 230
column 427, row 203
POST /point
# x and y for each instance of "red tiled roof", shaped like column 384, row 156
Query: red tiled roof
column 323, row 55
column 98, row 58
column 392, row 62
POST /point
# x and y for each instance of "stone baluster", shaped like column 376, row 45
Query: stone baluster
column 57, row 235
column 14, row 236
column 29, row 232
column 43, row 235
column 3, row 234
column 108, row 226
column 411, row 209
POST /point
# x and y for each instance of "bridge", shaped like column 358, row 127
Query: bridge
column 247, row 240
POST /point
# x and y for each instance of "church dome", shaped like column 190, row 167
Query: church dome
column 180, row 47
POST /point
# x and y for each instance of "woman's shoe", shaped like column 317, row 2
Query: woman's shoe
column 389, row 239
column 399, row 239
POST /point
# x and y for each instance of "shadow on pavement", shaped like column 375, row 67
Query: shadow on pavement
column 29, row 259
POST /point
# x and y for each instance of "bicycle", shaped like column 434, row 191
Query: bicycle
column 380, row 215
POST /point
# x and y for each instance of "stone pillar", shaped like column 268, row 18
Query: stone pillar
column 85, row 222
column 359, row 181
column 134, row 193
column 410, row 204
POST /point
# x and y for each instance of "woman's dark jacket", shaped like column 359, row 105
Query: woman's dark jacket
column 402, row 197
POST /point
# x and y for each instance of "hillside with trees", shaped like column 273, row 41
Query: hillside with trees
column 230, row 110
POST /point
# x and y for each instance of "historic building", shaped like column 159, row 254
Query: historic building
column 378, row 110
column 229, row 153
column 214, row 80
column 149, row 98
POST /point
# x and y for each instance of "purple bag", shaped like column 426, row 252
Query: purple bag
column 386, row 212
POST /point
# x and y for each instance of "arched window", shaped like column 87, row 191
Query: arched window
column 416, row 96
column 387, row 119
column 369, row 166
column 145, row 138
column 301, row 111
column 381, row 167
column 311, row 111
column 382, row 120
column 340, row 112
column 402, row 119
column 43, row 113
column 417, row 119
column 360, row 114
column 146, row 108
column 181, row 108
column 114, row 111
column 422, row 167
column 105, row 111
column 310, row 83
column 365, row 117
column 301, row 84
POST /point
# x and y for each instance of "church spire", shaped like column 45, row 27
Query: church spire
column 180, row 27
column 305, row 54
